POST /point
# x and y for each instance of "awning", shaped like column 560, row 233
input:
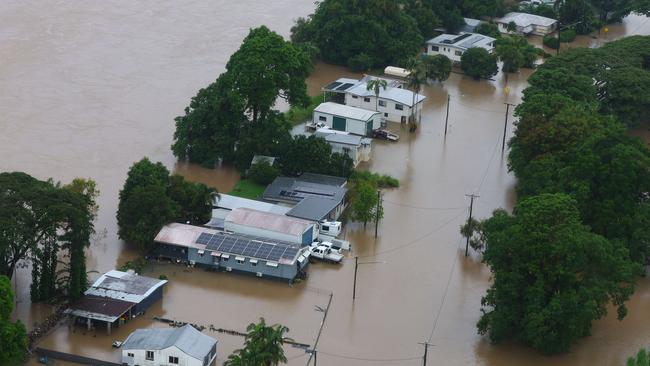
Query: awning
column 215, row 254
column 271, row 264
column 240, row 258
column 201, row 251
column 225, row 256
column 253, row 261
column 301, row 259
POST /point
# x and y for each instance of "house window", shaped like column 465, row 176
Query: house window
column 173, row 360
column 382, row 103
column 149, row 355
column 322, row 118
column 386, row 115
column 435, row 48
column 224, row 259
column 354, row 97
column 130, row 355
column 399, row 107
column 367, row 100
column 458, row 53
column 240, row 261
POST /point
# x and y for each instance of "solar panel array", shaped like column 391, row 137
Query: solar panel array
column 248, row 246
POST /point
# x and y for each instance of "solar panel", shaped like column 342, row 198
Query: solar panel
column 249, row 245
column 333, row 85
column 204, row 238
column 345, row 86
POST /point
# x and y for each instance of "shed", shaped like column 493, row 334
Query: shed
column 225, row 251
column 269, row 225
column 172, row 346
column 345, row 118
column 527, row 23
column 356, row 147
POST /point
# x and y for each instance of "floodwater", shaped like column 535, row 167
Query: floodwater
column 90, row 87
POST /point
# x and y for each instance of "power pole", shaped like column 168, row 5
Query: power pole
column 505, row 125
column 354, row 287
column 426, row 348
column 471, row 206
column 447, row 118
column 377, row 211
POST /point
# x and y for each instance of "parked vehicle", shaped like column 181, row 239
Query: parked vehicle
column 330, row 228
column 315, row 126
column 385, row 135
column 325, row 252
column 117, row 344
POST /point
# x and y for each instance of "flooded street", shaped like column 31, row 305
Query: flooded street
column 88, row 88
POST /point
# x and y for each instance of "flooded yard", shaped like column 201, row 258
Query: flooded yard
column 90, row 88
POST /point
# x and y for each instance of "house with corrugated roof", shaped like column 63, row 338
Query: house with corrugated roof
column 271, row 225
column 453, row 46
column 314, row 197
column 184, row 346
column 526, row 24
column 355, row 147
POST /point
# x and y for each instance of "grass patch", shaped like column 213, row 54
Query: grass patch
column 380, row 180
column 296, row 115
column 246, row 188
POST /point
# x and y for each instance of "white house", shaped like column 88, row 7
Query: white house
column 346, row 118
column 356, row 147
column 527, row 24
column 453, row 46
column 184, row 346
column 395, row 103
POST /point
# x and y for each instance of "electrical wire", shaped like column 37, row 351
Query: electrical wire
column 487, row 169
column 422, row 207
column 370, row 359
column 418, row 239
column 444, row 297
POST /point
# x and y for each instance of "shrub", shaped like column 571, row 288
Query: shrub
column 360, row 62
column 567, row 36
column 263, row 173
column 488, row 29
column 478, row 63
column 551, row 41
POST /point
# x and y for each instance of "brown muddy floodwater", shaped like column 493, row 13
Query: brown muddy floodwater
column 90, row 87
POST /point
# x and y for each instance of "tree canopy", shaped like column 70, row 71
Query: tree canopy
column 41, row 221
column 263, row 346
column 151, row 198
column 13, row 337
column 551, row 275
column 478, row 63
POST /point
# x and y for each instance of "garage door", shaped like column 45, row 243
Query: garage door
column 369, row 128
column 339, row 123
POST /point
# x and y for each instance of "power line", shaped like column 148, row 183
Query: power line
column 442, row 302
column 415, row 241
column 369, row 359
column 423, row 207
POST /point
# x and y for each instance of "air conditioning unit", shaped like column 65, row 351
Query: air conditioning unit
column 258, row 274
column 228, row 269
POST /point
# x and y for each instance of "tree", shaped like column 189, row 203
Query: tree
column 416, row 78
column 516, row 52
column 267, row 67
column 363, row 202
column 478, row 63
column 13, row 337
column 263, row 173
column 263, row 346
column 551, row 276
column 438, row 67
column 488, row 29
column 641, row 359
column 511, row 27
column 376, row 85
column 194, row 200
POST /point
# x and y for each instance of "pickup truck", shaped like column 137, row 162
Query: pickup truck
column 325, row 252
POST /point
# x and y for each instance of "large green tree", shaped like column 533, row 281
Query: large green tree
column 478, row 63
column 551, row 275
column 263, row 346
column 267, row 67
column 13, row 337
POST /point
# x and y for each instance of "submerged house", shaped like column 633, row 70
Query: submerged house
column 115, row 298
column 224, row 251
column 314, row 197
column 527, row 24
column 356, row 147
column 271, row 225
column 394, row 103
column 453, row 46
column 184, row 346
column 223, row 204
column 342, row 117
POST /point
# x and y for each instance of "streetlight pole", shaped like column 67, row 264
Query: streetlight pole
column 356, row 268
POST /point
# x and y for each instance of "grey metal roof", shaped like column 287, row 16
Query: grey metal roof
column 464, row 41
column 313, row 208
column 186, row 338
column 124, row 286
column 323, row 179
column 229, row 202
column 343, row 139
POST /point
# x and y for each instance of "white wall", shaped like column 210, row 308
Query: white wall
column 354, row 126
column 352, row 151
column 388, row 111
column 328, row 118
column 450, row 52
column 161, row 358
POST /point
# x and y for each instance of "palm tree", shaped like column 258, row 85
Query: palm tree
column 263, row 346
column 375, row 85
column 417, row 77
